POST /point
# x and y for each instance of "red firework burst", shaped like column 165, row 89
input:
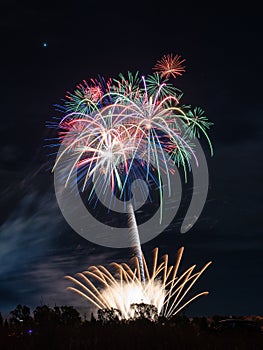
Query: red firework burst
column 170, row 66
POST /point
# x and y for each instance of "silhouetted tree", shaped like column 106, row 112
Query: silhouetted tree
column 200, row 323
column 44, row 316
column 180, row 321
column 1, row 320
column 57, row 314
column 92, row 318
column 144, row 311
column 69, row 316
column 21, row 316
column 109, row 315
column 6, row 323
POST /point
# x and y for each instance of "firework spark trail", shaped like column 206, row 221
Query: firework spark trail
column 161, row 288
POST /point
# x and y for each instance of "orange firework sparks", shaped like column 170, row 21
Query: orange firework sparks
column 170, row 66
column 162, row 288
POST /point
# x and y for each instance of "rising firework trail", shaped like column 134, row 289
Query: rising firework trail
column 162, row 288
column 135, row 237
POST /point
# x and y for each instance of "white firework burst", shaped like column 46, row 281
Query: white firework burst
column 162, row 287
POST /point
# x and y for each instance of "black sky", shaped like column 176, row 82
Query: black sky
column 222, row 46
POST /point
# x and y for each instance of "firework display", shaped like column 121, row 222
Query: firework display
column 112, row 129
column 113, row 132
column 162, row 287
column 170, row 66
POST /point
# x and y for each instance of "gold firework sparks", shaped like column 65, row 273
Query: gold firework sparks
column 162, row 287
column 170, row 65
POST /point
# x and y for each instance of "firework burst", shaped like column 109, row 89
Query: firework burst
column 162, row 288
column 142, row 121
column 170, row 66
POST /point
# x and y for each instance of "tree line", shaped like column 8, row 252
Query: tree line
column 63, row 327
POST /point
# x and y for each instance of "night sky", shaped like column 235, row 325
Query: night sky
column 48, row 48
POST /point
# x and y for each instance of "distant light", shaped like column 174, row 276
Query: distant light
column 44, row 44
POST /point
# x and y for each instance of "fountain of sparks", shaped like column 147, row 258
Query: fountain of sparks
column 162, row 287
